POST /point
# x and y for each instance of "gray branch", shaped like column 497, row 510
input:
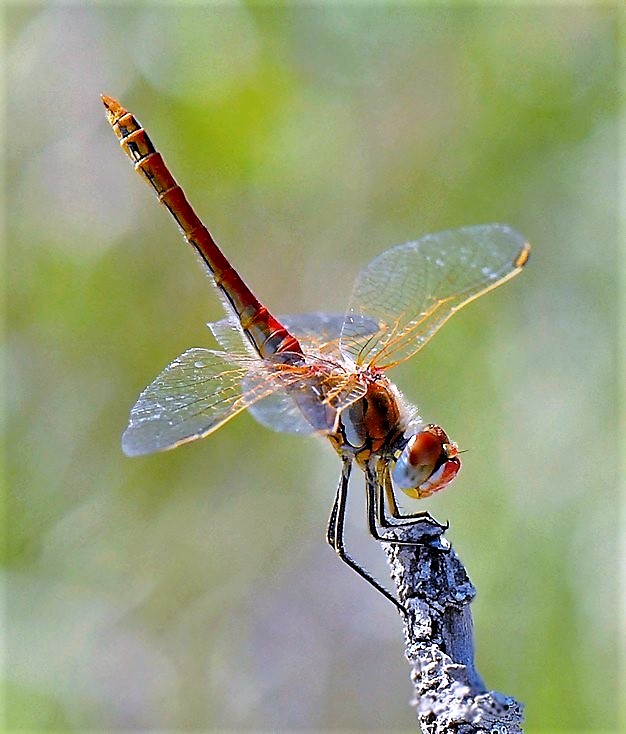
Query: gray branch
column 433, row 585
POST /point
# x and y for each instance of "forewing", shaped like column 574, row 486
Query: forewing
column 412, row 289
column 195, row 395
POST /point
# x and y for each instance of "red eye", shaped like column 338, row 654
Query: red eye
column 428, row 463
column 444, row 475
column 426, row 449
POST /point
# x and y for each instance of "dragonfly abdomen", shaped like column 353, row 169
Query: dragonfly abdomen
column 267, row 335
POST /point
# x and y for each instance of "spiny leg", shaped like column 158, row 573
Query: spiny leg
column 394, row 511
column 375, row 504
column 334, row 535
column 332, row 520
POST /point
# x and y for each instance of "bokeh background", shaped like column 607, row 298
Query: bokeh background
column 193, row 590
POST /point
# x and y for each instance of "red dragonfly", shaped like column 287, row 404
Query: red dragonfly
column 322, row 373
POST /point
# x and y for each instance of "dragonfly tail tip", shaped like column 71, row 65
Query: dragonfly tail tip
column 113, row 107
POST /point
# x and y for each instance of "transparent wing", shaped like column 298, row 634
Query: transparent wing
column 412, row 289
column 313, row 408
column 202, row 389
column 309, row 404
column 229, row 335
column 281, row 412
column 318, row 333
column 196, row 394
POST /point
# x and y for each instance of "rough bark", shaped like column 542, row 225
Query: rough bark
column 432, row 583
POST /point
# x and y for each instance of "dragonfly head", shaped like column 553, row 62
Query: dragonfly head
column 426, row 463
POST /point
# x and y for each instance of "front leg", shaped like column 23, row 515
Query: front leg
column 386, row 486
column 375, row 507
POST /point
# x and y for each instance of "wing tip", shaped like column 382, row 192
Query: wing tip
column 523, row 256
column 130, row 446
column 133, row 445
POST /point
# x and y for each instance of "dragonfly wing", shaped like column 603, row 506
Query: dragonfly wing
column 343, row 390
column 318, row 333
column 281, row 411
column 196, row 394
column 309, row 404
column 229, row 335
column 285, row 411
column 412, row 289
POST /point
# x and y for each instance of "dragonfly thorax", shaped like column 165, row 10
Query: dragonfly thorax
column 371, row 424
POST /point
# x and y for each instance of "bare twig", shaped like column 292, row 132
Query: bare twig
column 450, row 695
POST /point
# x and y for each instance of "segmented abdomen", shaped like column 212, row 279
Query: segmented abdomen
column 268, row 336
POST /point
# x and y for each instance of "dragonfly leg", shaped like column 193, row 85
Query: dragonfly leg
column 334, row 535
column 331, row 531
column 383, row 485
column 375, row 507
column 383, row 520
column 394, row 510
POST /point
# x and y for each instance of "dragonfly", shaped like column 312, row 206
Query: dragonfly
column 321, row 373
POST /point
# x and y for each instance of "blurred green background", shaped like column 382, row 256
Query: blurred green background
column 194, row 589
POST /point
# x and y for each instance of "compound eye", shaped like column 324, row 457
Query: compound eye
column 425, row 451
column 427, row 464
column 440, row 478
